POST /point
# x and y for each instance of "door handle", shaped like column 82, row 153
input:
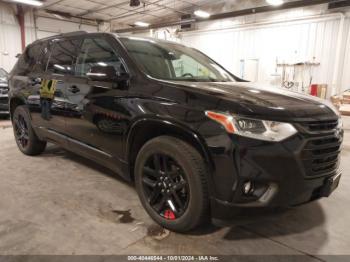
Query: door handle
column 74, row 89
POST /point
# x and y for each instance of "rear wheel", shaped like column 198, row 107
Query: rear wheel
column 26, row 139
column 171, row 182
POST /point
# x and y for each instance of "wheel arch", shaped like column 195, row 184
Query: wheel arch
column 15, row 102
column 145, row 129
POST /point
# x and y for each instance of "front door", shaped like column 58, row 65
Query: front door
column 97, row 117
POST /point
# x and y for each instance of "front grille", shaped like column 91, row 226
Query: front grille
column 320, row 156
column 320, row 126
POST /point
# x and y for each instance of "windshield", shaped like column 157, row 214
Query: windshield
column 170, row 61
column 3, row 73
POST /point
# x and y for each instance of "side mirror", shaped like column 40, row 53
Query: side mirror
column 102, row 73
column 106, row 74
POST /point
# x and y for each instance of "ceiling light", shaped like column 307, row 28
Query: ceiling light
column 275, row 2
column 29, row 2
column 202, row 14
column 142, row 24
column 58, row 16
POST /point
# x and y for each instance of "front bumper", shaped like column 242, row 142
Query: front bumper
column 284, row 174
column 223, row 211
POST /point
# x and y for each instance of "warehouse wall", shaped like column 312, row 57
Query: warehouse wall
column 10, row 36
column 345, row 77
column 48, row 27
column 290, row 40
column 10, row 43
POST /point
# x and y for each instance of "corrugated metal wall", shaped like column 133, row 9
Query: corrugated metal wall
column 10, row 41
column 345, row 78
column 10, row 36
column 48, row 27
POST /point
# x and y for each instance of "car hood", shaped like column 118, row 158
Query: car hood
column 264, row 101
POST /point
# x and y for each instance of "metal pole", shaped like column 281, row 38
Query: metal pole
column 20, row 17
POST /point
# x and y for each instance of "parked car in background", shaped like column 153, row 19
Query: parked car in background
column 197, row 141
column 4, row 107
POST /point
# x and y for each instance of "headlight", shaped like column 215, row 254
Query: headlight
column 253, row 128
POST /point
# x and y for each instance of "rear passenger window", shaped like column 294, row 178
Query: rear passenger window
column 63, row 55
column 97, row 52
column 29, row 60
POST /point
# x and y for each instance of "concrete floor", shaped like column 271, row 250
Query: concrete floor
column 60, row 203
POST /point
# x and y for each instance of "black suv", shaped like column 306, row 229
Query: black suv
column 4, row 108
column 196, row 140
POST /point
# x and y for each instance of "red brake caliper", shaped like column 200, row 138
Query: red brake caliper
column 168, row 214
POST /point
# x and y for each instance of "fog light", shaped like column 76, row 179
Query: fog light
column 247, row 187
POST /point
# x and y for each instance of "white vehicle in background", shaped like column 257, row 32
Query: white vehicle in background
column 4, row 92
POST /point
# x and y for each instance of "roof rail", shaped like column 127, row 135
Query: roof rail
column 73, row 33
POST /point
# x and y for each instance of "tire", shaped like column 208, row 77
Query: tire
column 26, row 139
column 186, row 169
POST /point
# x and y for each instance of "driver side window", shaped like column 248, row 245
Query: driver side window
column 186, row 66
column 97, row 54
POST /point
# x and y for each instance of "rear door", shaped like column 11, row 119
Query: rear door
column 26, row 77
column 54, row 103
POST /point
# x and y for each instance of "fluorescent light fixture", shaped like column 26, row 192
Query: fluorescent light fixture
column 202, row 14
column 29, row 2
column 275, row 2
column 142, row 24
column 59, row 67
column 58, row 16
column 96, row 74
column 102, row 64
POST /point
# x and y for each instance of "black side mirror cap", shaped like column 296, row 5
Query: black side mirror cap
column 106, row 74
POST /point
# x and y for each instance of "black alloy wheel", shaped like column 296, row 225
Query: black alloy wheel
column 165, row 186
column 26, row 139
column 21, row 131
column 171, row 181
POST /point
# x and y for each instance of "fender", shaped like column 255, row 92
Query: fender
column 16, row 100
column 174, row 128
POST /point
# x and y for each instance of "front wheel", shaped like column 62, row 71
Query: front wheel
column 171, row 182
column 26, row 139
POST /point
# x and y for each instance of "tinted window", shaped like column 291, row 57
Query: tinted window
column 29, row 59
column 63, row 56
column 97, row 52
